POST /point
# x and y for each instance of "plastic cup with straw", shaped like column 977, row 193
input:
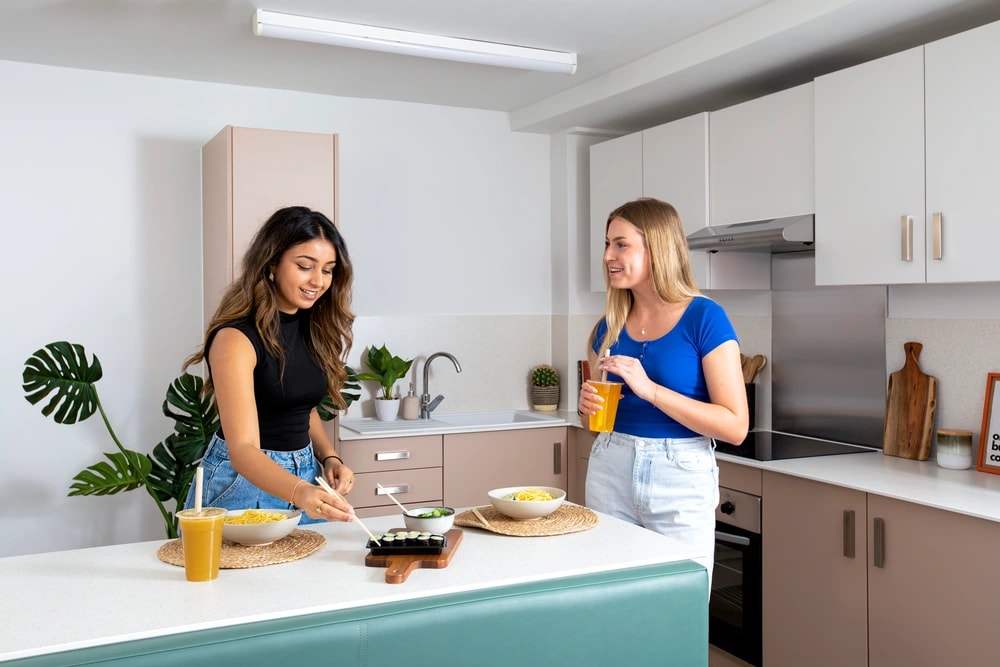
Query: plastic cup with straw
column 603, row 421
column 201, row 536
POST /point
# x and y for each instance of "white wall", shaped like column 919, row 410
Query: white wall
column 446, row 213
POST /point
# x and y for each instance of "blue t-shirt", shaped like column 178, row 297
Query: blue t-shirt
column 672, row 361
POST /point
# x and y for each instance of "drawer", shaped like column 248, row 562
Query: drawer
column 424, row 451
column 410, row 487
column 739, row 477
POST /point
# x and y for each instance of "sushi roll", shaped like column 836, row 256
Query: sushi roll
column 423, row 539
column 437, row 540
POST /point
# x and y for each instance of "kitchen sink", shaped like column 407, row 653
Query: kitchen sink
column 454, row 423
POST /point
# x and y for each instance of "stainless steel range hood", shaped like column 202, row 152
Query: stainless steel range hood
column 775, row 236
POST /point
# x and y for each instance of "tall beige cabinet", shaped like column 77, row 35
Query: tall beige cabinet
column 248, row 174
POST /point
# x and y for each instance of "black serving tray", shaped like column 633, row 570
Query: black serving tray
column 406, row 547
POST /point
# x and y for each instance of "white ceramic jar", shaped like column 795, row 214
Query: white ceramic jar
column 954, row 448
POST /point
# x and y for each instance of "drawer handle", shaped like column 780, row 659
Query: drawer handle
column 879, row 557
column 392, row 456
column 556, row 458
column 386, row 490
column 849, row 533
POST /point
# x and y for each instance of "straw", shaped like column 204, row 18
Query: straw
column 393, row 499
column 199, row 476
column 604, row 372
column 328, row 489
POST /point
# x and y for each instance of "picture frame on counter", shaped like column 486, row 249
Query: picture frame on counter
column 989, row 438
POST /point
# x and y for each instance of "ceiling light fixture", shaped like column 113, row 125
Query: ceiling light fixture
column 323, row 31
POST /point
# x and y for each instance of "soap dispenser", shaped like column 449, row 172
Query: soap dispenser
column 410, row 407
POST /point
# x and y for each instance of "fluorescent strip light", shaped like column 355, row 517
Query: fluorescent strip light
column 338, row 33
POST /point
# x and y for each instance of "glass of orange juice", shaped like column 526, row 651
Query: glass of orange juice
column 603, row 421
column 201, row 539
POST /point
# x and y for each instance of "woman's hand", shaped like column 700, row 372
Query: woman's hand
column 590, row 401
column 318, row 504
column 630, row 370
column 339, row 476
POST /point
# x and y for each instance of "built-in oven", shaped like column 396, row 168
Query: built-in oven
column 735, row 605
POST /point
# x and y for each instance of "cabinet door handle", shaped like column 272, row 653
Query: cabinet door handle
column 556, row 458
column 385, row 490
column 849, row 533
column 879, row 558
column 906, row 236
column 392, row 456
column 936, row 235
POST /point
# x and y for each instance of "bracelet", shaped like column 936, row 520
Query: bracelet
column 291, row 500
column 331, row 456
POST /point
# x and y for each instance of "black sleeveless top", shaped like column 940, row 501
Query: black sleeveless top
column 284, row 404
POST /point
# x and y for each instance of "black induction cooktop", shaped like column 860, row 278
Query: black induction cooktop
column 775, row 446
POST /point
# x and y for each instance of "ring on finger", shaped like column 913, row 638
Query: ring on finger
column 319, row 508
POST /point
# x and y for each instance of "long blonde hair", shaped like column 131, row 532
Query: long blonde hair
column 254, row 295
column 669, row 263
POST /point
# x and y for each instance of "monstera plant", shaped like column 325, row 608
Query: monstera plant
column 61, row 374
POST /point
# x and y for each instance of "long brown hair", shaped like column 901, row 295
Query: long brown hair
column 252, row 294
column 669, row 263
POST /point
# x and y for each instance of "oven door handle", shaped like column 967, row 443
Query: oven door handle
column 729, row 538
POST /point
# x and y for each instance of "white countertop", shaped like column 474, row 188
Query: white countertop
column 465, row 423
column 923, row 482
column 89, row 597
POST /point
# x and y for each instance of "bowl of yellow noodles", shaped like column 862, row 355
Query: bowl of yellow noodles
column 259, row 527
column 527, row 502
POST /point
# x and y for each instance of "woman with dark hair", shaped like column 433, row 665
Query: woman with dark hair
column 679, row 359
column 273, row 349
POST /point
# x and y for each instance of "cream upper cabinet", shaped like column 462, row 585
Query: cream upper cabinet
column 615, row 178
column 761, row 163
column 963, row 156
column 906, row 166
column 669, row 162
column 248, row 174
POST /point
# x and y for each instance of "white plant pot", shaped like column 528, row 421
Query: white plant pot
column 386, row 409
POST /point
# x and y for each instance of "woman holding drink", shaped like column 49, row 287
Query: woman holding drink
column 677, row 358
column 273, row 349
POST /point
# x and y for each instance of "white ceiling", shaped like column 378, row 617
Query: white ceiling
column 640, row 62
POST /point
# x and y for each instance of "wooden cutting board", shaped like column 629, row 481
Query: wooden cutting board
column 909, row 409
column 399, row 566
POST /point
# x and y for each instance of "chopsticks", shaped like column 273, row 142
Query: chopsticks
column 482, row 518
column 329, row 489
column 393, row 499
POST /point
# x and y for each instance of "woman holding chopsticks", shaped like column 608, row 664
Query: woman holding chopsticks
column 273, row 349
column 679, row 359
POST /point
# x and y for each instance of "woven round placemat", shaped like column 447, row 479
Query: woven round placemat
column 297, row 544
column 568, row 518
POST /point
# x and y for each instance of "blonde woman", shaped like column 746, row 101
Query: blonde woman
column 273, row 349
column 679, row 359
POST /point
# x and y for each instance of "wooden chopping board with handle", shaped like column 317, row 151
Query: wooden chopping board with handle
column 398, row 567
column 909, row 409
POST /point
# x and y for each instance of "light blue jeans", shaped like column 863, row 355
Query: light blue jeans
column 668, row 485
column 223, row 487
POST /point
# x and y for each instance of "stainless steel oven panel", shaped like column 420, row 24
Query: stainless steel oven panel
column 739, row 509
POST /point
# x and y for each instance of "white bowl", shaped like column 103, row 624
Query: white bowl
column 258, row 534
column 431, row 524
column 526, row 509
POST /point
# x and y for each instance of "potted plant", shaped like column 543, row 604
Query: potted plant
column 544, row 388
column 167, row 474
column 386, row 369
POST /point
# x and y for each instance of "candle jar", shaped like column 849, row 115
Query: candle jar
column 954, row 448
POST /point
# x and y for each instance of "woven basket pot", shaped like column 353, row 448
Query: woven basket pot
column 545, row 398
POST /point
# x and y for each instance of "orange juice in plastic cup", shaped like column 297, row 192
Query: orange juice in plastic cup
column 201, row 539
column 603, row 421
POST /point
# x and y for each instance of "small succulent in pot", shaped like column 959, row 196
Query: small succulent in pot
column 544, row 388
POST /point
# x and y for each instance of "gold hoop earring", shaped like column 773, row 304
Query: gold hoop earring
column 271, row 276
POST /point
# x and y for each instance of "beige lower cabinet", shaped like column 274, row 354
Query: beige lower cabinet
column 409, row 468
column 474, row 463
column 580, row 442
column 921, row 590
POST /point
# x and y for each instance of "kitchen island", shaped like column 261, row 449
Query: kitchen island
column 595, row 597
